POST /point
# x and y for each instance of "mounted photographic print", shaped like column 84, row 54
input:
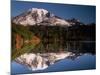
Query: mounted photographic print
column 52, row 37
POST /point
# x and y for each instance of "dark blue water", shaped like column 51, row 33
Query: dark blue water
column 80, row 63
column 17, row 68
column 83, row 62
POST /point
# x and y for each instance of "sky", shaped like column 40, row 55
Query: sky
column 85, row 14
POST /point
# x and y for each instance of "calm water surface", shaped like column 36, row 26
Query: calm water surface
column 86, row 61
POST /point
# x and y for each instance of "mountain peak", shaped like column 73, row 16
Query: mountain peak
column 38, row 9
column 37, row 16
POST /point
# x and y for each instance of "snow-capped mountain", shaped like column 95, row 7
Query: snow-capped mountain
column 36, row 16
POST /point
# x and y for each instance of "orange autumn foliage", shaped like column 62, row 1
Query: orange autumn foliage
column 19, row 41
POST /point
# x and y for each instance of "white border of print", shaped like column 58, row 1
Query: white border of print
column 5, row 37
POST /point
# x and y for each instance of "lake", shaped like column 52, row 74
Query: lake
column 83, row 62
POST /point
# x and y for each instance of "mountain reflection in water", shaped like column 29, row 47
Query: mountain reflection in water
column 85, row 61
column 84, row 58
